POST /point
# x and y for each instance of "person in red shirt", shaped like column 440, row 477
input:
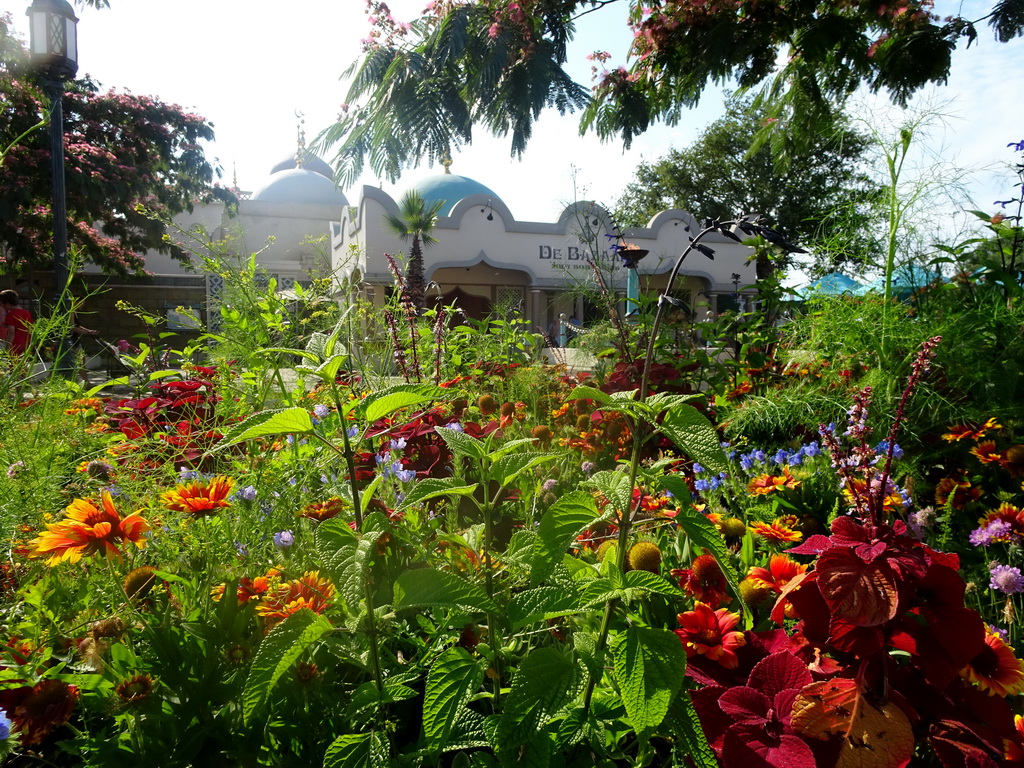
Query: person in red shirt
column 17, row 327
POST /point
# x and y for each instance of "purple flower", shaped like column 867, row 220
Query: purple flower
column 248, row 493
column 994, row 531
column 549, row 484
column 405, row 475
column 321, row 411
column 1006, row 579
column 588, row 467
column 15, row 469
column 454, row 427
column 352, row 431
column 398, row 445
column 284, row 539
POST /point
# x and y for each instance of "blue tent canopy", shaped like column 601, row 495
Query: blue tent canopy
column 832, row 284
column 906, row 279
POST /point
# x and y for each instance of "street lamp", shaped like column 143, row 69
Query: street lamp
column 53, row 44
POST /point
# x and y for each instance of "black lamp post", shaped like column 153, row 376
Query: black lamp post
column 53, row 44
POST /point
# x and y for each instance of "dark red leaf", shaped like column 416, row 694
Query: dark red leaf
column 815, row 545
column 746, row 747
column 779, row 672
column 745, row 705
column 865, row 594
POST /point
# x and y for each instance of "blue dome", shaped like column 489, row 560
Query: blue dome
column 450, row 188
column 299, row 185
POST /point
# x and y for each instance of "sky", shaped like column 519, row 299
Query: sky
column 250, row 67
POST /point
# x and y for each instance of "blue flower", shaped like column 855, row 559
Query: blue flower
column 321, row 411
column 702, row 485
column 5, row 726
column 405, row 475
column 398, row 445
column 247, row 493
column 352, row 431
column 284, row 539
column 241, row 549
column 454, row 427
column 883, row 447
column 781, row 457
column 813, row 449
column 697, row 468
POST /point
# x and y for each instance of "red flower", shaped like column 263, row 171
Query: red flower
column 199, row 499
column 39, row 710
column 709, row 633
column 704, row 581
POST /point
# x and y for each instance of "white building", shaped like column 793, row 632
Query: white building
column 486, row 259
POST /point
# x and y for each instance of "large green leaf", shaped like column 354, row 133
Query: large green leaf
column 616, row 488
column 267, row 424
column 278, row 651
column 452, row 679
column 590, row 393
column 561, row 524
column 646, row 581
column 426, row 587
column 435, row 487
column 506, row 469
column 542, row 603
column 690, row 429
column 545, row 681
column 462, row 444
column 377, row 405
column 649, row 665
column 357, row 750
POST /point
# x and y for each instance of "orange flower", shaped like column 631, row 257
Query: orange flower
column 957, row 492
column 88, row 529
column 249, row 589
column 996, row 669
column 323, row 510
column 199, row 499
column 762, row 485
column 969, row 432
column 781, row 569
column 986, row 452
column 777, row 531
column 708, row 633
column 307, row 591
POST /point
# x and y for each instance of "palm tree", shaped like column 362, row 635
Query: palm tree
column 414, row 222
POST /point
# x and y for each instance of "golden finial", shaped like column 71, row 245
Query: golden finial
column 234, row 175
column 446, row 161
column 300, row 153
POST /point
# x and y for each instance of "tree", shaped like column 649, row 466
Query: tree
column 131, row 162
column 421, row 87
column 414, row 222
column 824, row 189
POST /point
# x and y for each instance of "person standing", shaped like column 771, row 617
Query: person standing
column 17, row 323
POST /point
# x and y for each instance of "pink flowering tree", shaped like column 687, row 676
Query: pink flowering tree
column 130, row 162
column 423, row 84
